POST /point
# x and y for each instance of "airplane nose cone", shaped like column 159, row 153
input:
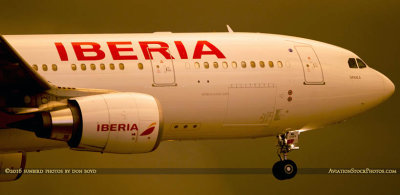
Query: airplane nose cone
column 388, row 86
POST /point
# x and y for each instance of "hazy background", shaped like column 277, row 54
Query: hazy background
column 369, row 28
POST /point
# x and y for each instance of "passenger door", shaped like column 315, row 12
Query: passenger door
column 163, row 70
column 313, row 74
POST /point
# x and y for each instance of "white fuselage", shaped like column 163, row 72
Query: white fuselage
column 303, row 84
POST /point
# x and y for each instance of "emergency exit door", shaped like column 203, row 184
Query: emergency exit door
column 313, row 74
column 163, row 69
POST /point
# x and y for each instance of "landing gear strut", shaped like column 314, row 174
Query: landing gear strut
column 285, row 168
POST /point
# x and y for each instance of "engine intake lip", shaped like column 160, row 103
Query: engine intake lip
column 76, row 134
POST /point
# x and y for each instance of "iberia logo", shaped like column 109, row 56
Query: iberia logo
column 149, row 129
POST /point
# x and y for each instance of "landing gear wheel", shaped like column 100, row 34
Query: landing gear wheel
column 284, row 169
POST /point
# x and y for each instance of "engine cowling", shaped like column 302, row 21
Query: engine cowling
column 112, row 123
column 12, row 166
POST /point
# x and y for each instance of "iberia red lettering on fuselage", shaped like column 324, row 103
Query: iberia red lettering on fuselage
column 82, row 49
column 117, row 127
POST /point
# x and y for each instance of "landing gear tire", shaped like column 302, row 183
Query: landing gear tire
column 284, row 169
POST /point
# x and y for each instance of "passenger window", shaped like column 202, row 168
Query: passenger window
column 252, row 64
column 215, row 64
column 225, row 65
column 112, row 66
column 44, row 67
column 121, row 66
column 92, row 66
column 196, row 65
column 280, row 64
column 140, row 66
column 271, row 64
column 35, row 67
column 262, row 64
column 73, row 67
column 83, row 66
column 54, row 67
column 360, row 63
column 243, row 63
column 352, row 63
column 234, row 64
column 102, row 66
column 206, row 65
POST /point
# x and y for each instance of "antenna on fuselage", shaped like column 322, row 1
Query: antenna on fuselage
column 229, row 28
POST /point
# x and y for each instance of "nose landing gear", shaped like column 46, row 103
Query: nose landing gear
column 284, row 168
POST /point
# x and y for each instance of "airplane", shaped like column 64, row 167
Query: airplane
column 125, row 93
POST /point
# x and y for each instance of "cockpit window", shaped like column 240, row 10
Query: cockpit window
column 360, row 63
column 352, row 63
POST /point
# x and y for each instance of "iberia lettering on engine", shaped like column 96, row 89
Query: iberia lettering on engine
column 92, row 51
column 117, row 127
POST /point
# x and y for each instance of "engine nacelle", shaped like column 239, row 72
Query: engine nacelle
column 12, row 166
column 112, row 123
